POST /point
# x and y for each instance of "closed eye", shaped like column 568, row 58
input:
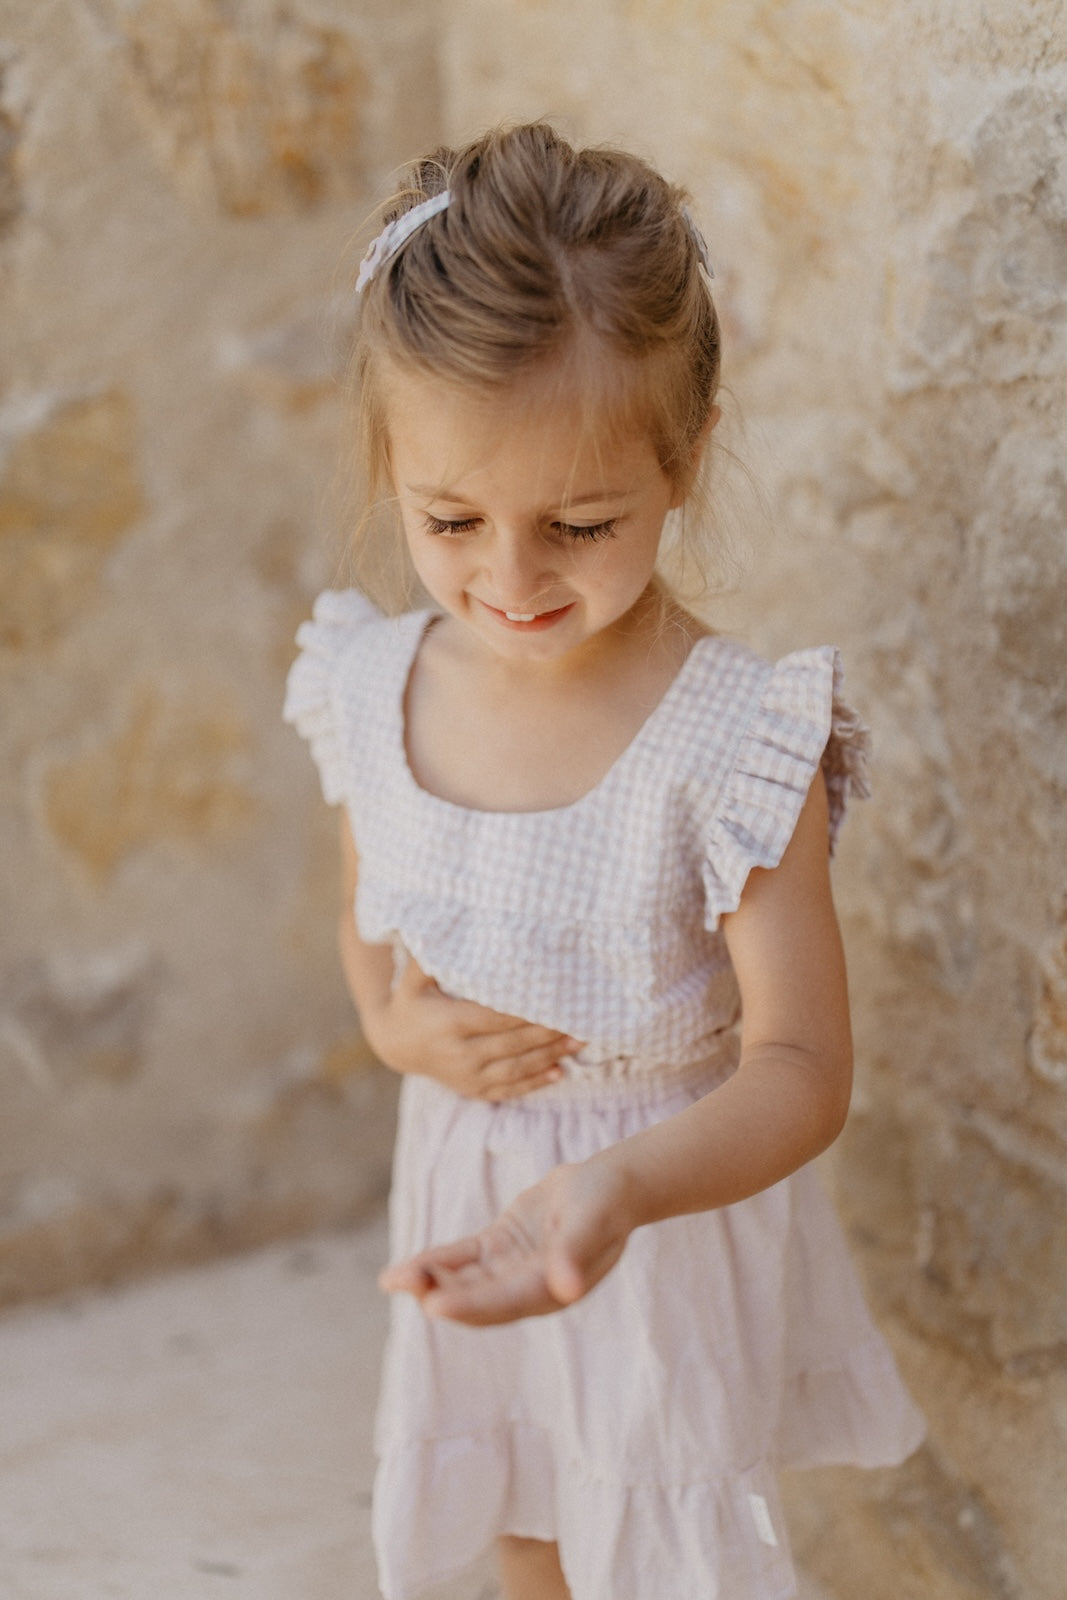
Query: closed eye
column 591, row 530
column 451, row 529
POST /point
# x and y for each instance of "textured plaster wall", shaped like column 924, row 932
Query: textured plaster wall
column 179, row 182
column 885, row 194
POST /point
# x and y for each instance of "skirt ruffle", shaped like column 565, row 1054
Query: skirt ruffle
column 442, row 1503
column 641, row 1428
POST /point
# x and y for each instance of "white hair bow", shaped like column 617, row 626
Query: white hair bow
column 397, row 233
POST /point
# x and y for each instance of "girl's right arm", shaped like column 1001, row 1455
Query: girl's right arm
column 783, row 1105
column 413, row 1027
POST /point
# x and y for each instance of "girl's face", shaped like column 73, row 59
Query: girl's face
column 537, row 532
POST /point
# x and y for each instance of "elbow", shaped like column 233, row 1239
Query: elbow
column 811, row 1087
column 824, row 1082
column 836, row 1098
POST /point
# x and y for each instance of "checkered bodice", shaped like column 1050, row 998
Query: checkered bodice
column 599, row 918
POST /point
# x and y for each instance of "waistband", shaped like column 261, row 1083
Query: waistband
column 636, row 1078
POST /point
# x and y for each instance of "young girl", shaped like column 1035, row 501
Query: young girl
column 583, row 838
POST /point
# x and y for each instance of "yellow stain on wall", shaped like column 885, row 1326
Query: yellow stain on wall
column 261, row 112
column 166, row 774
column 69, row 491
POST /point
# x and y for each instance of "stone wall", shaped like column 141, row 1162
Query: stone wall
column 180, row 183
column 884, row 190
column 885, row 194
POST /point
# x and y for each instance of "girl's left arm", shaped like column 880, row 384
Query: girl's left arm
column 785, row 1104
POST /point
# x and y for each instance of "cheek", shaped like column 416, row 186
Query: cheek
column 421, row 548
column 623, row 563
column 616, row 584
column 439, row 563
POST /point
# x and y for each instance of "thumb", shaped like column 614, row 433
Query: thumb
column 563, row 1276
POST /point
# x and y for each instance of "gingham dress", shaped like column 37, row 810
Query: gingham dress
column 642, row 1427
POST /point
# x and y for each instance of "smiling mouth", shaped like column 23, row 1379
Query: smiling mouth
column 528, row 621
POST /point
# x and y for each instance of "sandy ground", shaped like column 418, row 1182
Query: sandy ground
column 204, row 1436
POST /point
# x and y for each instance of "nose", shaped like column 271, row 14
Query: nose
column 519, row 567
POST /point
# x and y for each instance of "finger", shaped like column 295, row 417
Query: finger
column 517, row 1087
column 509, row 1076
column 406, row 1278
column 483, row 1300
column 470, row 1021
column 530, row 1039
column 515, row 1034
column 417, row 1273
column 477, row 1019
column 530, row 1063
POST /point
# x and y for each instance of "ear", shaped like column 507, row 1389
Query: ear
column 685, row 478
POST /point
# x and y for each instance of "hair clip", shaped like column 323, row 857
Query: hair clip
column 397, row 233
column 699, row 240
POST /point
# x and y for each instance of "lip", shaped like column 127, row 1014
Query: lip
column 546, row 619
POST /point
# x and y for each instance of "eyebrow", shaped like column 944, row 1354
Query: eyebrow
column 453, row 499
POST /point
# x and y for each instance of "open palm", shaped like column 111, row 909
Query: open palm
column 549, row 1248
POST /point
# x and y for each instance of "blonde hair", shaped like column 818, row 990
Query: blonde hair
column 546, row 254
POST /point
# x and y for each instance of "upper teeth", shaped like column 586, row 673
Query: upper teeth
column 521, row 616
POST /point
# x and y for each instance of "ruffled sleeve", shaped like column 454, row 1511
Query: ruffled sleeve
column 799, row 724
column 311, row 700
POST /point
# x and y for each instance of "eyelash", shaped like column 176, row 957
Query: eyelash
column 590, row 533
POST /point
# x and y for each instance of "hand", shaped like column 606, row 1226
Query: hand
column 549, row 1248
column 479, row 1053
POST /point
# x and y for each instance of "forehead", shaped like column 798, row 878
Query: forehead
column 554, row 425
